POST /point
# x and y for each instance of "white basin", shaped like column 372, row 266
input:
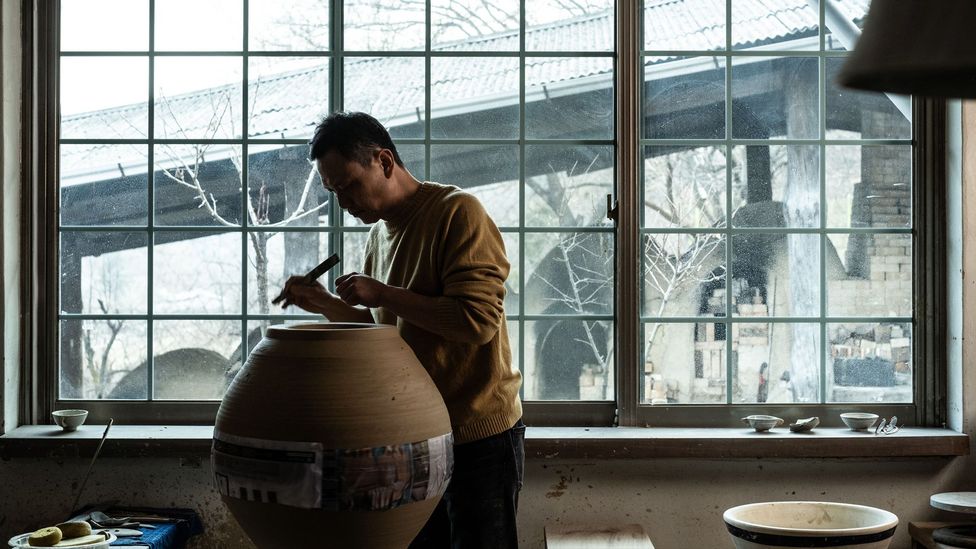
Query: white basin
column 782, row 524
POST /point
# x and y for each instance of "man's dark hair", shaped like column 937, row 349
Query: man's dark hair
column 354, row 135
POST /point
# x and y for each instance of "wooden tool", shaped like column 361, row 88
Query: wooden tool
column 313, row 275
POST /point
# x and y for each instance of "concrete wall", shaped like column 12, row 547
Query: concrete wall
column 679, row 502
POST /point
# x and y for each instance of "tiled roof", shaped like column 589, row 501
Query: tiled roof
column 287, row 105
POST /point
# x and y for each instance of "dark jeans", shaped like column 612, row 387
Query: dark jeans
column 479, row 506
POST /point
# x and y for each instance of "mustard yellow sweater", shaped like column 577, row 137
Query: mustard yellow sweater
column 441, row 243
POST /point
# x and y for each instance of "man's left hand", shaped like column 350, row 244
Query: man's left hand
column 359, row 289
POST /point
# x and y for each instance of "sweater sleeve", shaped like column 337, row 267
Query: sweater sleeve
column 474, row 269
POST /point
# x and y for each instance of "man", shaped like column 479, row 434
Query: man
column 435, row 267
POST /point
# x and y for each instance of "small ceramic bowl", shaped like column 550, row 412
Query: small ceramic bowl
column 69, row 420
column 858, row 421
column 762, row 423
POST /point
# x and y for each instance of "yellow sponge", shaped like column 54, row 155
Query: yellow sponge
column 74, row 529
column 45, row 537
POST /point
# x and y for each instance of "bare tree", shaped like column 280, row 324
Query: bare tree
column 674, row 263
column 99, row 365
column 185, row 170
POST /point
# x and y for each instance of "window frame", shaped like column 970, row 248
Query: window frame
column 41, row 266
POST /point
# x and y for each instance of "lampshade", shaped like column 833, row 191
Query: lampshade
column 919, row 47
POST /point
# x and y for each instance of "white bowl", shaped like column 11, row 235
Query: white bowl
column 69, row 420
column 20, row 542
column 762, row 422
column 858, row 421
column 778, row 524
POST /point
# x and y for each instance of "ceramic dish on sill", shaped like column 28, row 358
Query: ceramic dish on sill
column 762, row 423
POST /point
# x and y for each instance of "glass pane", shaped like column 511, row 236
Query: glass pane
column 851, row 10
column 870, row 362
column 569, row 273
column 103, row 359
column 569, row 97
column 873, row 276
column 197, row 185
column 514, row 341
column 271, row 259
column 569, row 359
column 353, row 251
column 684, row 187
column 198, row 98
column 474, row 25
column 670, row 26
column 513, row 283
column 284, row 189
column 287, row 96
column 389, row 88
column 188, row 25
column 555, row 25
column 678, row 373
column 103, row 272
column 490, row 172
column 863, row 115
column 775, row 362
column 93, row 90
column 775, row 274
column 197, row 273
column 683, row 275
column 684, row 98
column 371, row 25
column 775, row 97
column 296, row 25
column 774, row 25
column 567, row 186
column 414, row 159
column 104, row 25
column 869, row 186
column 474, row 97
column 776, row 186
column 194, row 359
column 103, row 184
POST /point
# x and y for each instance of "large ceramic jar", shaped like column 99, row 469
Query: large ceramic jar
column 332, row 435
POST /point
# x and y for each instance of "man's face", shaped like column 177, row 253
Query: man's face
column 360, row 190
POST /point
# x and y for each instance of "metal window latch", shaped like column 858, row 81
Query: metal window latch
column 611, row 208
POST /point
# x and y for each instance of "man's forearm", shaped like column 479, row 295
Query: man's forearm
column 416, row 309
column 337, row 310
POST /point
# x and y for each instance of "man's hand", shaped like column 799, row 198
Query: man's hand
column 310, row 297
column 358, row 289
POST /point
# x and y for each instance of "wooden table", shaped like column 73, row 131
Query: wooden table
column 628, row 536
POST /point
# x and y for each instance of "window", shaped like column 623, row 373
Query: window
column 777, row 224
column 777, row 215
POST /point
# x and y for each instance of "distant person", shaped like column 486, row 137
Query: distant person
column 435, row 267
column 763, row 391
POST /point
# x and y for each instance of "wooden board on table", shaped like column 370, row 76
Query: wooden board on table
column 627, row 536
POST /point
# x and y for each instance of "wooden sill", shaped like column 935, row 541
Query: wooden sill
column 540, row 442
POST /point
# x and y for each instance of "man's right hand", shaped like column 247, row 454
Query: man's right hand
column 313, row 297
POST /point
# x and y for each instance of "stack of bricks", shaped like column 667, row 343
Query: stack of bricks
column 882, row 200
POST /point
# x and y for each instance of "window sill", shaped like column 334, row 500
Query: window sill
column 540, row 442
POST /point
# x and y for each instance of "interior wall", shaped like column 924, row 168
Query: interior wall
column 678, row 502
